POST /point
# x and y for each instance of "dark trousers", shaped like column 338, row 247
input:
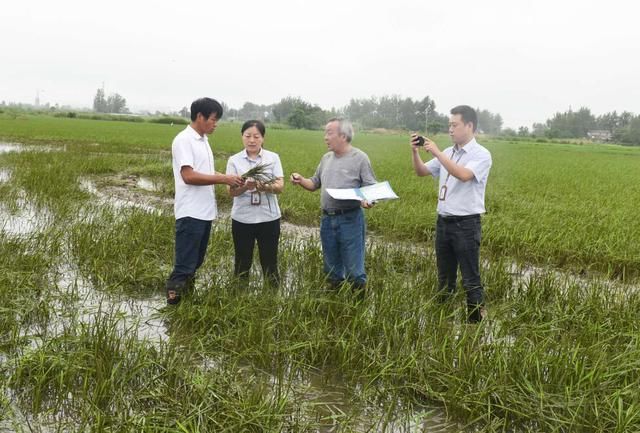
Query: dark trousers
column 458, row 244
column 267, row 235
column 192, row 239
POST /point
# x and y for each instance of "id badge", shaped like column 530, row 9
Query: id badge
column 443, row 193
column 255, row 198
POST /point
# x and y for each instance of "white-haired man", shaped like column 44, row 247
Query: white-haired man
column 343, row 228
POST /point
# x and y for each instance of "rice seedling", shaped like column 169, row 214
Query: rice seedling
column 260, row 173
column 558, row 352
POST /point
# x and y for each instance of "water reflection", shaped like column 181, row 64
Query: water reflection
column 23, row 217
column 15, row 147
column 335, row 406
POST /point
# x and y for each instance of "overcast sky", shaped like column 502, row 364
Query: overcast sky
column 523, row 59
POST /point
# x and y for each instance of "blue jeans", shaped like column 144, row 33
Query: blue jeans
column 192, row 239
column 343, row 247
column 458, row 244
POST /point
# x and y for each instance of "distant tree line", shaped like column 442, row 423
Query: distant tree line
column 389, row 112
column 613, row 126
column 396, row 112
column 291, row 111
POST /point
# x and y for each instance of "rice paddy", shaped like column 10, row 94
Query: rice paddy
column 88, row 344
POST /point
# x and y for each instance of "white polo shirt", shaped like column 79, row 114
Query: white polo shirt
column 195, row 201
column 268, row 210
column 463, row 198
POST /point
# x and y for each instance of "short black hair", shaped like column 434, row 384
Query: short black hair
column 250, row 124
column 468, row 114
column 206, row 107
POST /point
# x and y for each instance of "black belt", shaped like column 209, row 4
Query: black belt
column 456, row 218
column 333, row 212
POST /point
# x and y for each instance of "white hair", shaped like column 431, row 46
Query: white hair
column 344, row 127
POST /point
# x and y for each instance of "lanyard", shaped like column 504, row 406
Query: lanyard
column 453, row 151
column 443, row 189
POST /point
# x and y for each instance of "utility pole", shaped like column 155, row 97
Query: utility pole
column 426, row 120
column 38, row 97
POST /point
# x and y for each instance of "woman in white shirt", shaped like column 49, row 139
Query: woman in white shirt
column 255, row 215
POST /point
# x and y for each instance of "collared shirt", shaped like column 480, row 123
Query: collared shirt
column 463, row 198
column 268, row 210
column 195, row 201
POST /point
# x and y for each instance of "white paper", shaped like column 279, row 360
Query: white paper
column 344, row 194
column 375, row 192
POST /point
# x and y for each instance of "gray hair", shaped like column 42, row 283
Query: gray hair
column 344, row 127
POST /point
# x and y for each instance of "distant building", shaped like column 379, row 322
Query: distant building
column 600, row 135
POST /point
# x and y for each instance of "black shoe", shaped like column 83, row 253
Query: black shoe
column 359, row 290
column 174, row 291
column 477, row 313
column 173, row 296
column 190, row 284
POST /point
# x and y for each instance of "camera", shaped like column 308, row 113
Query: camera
column 419, row 141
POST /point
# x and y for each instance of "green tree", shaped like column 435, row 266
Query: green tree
column 117, row 104
column 307, row 116
column 488, row 122
column 631, row 133
column 571, row 124
column 285, row 108
column 250, row 111
column 99, row 102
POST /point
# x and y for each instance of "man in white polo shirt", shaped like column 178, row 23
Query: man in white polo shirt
column 195, row 202
column 462, row 170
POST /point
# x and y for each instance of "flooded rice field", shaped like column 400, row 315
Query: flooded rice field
column 87, row 342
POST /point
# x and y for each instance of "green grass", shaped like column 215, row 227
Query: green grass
column 564, row 205
column 558, row 354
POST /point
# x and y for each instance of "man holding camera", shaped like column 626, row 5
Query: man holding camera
column 342, row 229
column 462, row 170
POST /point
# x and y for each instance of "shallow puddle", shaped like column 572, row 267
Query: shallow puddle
column 326, row 399
column 5, row 175
column 15, row 147
column 136, row 314
column 113, row 201
column 24, row 218
column 10, row 147
column 146, row 184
